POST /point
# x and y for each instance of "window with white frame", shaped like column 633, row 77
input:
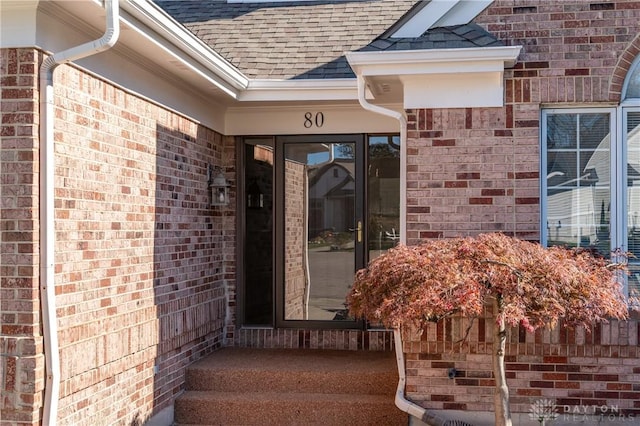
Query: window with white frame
column 578, row 166
column 590, row 176
column 591, row 180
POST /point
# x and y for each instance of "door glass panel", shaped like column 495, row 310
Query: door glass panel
column 320, row 229
column 258, row 244
column 383, row 190
column 633, row 196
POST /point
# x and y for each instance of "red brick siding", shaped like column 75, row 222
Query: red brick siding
column 21, row 362
column 477, row 170
column 141, row 254
column 371, row 340
column 574, row 53
column 466, row 177
column 141, row 258
column 571, row 367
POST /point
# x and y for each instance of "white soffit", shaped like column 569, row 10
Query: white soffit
column 399, row 62
column 440, row 13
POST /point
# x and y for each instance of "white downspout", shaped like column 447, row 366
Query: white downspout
column 401, row 401
column 47, row 218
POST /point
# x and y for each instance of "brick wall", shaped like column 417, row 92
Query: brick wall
column 485, row 177
column 21, row 346
column 595, row 371
column 141, row 258
column 286, row 338
column 476, row 170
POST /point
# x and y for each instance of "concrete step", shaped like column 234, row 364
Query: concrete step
column 317, row 371
column 244, row 386
column 278, row 408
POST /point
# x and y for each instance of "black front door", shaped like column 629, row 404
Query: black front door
column 304, row 228
column 319, row 228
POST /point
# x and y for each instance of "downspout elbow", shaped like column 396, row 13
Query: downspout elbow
column 106, row 42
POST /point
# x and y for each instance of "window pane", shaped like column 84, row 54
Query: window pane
column 633, row 192
column 561, row 131
column 320, row 234
column 594, row 131
column 562, row 169
column 258, row 244
column 383, row 193
column 578, row 180
column 633, row 89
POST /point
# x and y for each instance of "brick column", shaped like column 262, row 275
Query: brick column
column 21, row 347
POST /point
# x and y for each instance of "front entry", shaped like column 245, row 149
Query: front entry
column 306, row 225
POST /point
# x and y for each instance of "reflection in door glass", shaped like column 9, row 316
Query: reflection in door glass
column 383, row 193
column 258, row 217
column 320, row 229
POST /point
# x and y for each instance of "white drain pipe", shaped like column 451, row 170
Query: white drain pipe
column 47, row 197
column 426, row 416
column 401, row 402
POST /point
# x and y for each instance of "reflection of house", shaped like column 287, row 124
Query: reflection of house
column 384, row 205
column 117, row 272
column 331, row 197
column 579, row 204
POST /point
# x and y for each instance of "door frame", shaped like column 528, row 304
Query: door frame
column 279, row 219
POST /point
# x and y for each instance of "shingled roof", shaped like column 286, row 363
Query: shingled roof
column 307, row 39
column 453, row 37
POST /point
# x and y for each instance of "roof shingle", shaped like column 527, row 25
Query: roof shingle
column 308, row 39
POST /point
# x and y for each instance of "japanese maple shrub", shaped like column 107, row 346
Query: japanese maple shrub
column 529, row 285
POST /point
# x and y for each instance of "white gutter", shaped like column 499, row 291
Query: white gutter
column 299, row 90
column 47, row 196
column 145, row 16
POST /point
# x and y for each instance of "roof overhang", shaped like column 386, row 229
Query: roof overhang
column 181, row 45
column 200, row 83
column 437, row 78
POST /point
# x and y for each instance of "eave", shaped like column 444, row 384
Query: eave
column 438, row 78
column 183, row 45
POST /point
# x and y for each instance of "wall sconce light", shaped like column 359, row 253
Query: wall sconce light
column 219, row 188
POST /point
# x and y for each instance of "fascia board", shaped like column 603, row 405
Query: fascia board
column 449, row 67
column 422, row 61
column 300, row 90
column 146, row 12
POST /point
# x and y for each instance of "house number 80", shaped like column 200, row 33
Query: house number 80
column 311, row 120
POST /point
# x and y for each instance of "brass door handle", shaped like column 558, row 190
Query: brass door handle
column 358, row 230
